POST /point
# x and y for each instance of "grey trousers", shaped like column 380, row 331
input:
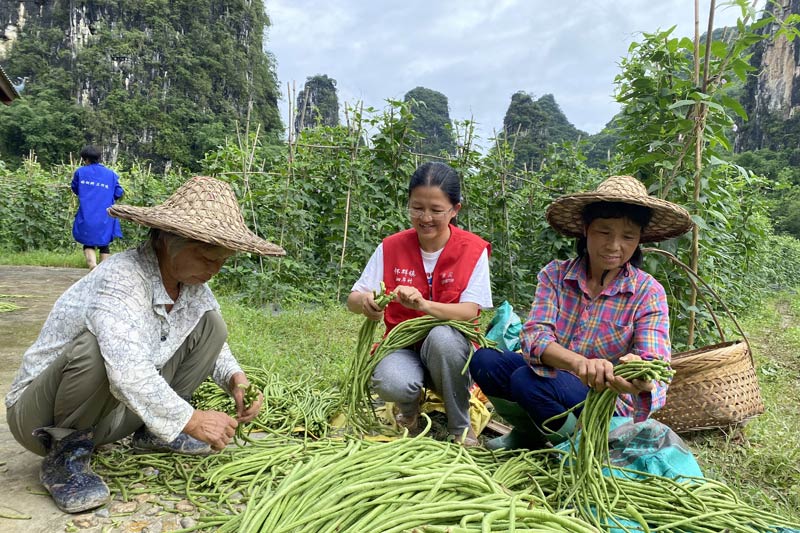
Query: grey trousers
column 73, row 392
column 401, row 376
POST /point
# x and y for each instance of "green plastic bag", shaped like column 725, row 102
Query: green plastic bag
column 505, row 328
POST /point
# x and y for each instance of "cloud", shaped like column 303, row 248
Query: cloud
column 477, row 52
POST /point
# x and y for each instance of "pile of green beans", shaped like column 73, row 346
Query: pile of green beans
column 289, row 407
column 414, row 484
column 591, row 492
column 284, row 484
column 356, row 385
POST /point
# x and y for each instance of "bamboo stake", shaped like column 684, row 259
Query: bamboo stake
column 465, row 150
column 353, row 158
column 290, row 91
column 506, row 231
column 701, row 111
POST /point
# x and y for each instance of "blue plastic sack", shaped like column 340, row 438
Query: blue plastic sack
column 505, row 327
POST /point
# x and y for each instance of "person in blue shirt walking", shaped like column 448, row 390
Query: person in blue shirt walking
column 97, row 188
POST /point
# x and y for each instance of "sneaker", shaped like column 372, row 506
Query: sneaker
column 184, row 444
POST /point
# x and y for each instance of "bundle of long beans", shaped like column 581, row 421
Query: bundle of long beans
column 356, row 386
column 7, row 307
column 353, row 395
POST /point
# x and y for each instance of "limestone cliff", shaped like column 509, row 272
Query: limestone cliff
column 158, row 80
column 772, row 95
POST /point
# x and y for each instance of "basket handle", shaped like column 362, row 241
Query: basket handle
column 693, row 278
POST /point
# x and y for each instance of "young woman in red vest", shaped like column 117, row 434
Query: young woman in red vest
column 437, row 269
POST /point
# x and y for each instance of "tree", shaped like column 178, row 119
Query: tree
column 318, row 104
column 431, row 120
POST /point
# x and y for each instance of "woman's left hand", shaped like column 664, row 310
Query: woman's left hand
column 410, row 297
column 244, row 415
column 623, row 386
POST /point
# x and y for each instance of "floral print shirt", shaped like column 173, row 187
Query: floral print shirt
column 123, row 303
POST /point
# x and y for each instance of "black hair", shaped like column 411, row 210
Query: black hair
column 638, row 214
column 90, row 154
column 434, row 174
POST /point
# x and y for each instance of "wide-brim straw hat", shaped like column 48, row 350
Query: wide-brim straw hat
column 669, row 220
column 204, row 209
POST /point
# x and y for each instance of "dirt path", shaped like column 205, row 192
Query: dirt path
column 36, row 289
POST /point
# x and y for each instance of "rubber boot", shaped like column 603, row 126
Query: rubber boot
column 564, row 432
column 525, row 433
column 67, row 475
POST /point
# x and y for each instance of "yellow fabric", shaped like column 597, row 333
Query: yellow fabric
column 479, row 415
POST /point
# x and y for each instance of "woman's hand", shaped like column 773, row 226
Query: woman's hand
column 623, row 386
column 244, row 415
column 410, row 297
column 213, row 427
column 597, row 374
column 369, row 308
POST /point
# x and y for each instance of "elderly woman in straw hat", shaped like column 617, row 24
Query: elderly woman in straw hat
column 588, row 314
column 125, row 347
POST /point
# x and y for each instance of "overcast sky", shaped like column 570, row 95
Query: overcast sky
column 476, row 52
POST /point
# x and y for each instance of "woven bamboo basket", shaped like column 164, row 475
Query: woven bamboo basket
column 714, row 386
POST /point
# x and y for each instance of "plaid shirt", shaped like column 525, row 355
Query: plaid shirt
column 629, row 316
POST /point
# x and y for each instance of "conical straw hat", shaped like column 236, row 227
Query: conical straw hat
column 669, row 220
column 204, row 209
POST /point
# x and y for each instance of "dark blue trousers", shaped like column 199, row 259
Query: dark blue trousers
column 506, row 375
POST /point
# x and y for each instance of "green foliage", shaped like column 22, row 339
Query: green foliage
column 431, row 121
column 665, row 116
column 601, row 147
column 318, row 104
column 782, row 172
column 296, row 343
column 162, row 82
column 36, row 208
column 332, row 195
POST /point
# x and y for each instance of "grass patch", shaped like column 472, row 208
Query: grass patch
column 761, row 460
column 295, row 343
column 65, row 258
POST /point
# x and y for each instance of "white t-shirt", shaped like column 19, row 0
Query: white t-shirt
column 478, row 291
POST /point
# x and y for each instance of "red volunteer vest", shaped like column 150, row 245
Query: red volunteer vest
column 402, row 265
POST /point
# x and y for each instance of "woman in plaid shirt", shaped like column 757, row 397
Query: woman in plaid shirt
column 588, row 314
